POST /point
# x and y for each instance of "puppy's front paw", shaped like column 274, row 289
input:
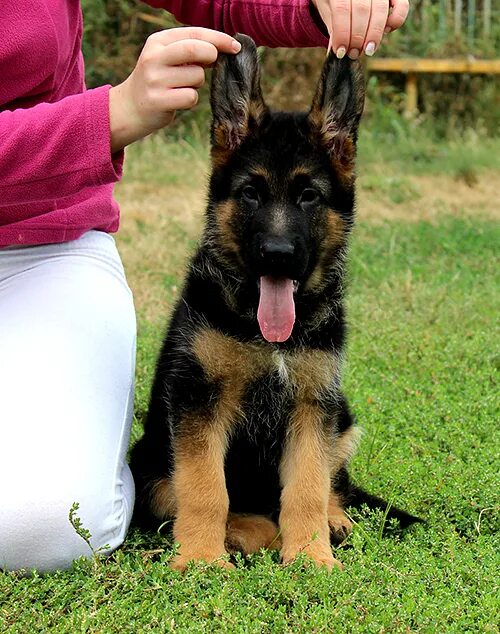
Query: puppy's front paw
column 180, row 562
column 321, row 555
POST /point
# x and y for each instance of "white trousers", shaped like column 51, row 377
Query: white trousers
column 67, row 360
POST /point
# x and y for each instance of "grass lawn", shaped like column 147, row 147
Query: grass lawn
column 420, row 375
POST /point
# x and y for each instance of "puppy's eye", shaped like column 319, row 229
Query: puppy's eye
column 308, row 197
column 250, row 195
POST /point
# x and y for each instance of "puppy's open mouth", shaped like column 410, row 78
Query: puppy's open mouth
column 276, row 312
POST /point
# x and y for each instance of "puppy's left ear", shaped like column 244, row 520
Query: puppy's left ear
column 337, row 108
column 236, row 97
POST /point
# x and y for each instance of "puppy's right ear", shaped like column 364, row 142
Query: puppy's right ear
column 236, row 97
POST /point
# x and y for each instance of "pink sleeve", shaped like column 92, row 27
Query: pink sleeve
column 57, row 149
column 270, row 22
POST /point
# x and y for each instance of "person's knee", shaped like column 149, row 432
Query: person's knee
column 48, row 532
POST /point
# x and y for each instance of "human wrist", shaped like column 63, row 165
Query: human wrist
column 126, row 124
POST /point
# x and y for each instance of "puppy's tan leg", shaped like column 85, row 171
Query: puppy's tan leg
column 249, row 533
column 201, row 497
column 305, row 478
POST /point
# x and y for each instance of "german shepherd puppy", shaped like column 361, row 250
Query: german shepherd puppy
column 247, row 427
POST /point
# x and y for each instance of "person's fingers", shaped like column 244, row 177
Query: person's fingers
column 323, row 8
column 223, row 43
column 378, row 20
column 360, row 18
column 188, row 52
column 341, row 29
column 398, row 14
column 184, row 76
column 182, row 98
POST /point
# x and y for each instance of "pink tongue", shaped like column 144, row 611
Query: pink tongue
column 276, row 313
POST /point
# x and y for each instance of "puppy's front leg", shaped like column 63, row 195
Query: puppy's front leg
column 201, row 495
column 305, row 478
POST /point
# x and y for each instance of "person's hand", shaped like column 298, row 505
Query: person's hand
column 168, row 73
column 357, row 26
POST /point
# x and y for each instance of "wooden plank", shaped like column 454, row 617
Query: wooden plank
column 154, row 19
column 409, row 65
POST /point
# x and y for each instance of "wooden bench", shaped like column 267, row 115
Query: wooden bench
column 412, row 67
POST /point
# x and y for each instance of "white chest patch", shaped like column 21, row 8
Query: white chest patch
column 280, row 363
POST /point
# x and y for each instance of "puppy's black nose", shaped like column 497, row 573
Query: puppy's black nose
column 277, row 256
column 276, row 250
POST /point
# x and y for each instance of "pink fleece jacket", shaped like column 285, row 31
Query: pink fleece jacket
column 56, row 169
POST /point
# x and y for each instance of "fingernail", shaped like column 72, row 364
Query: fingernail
column 370, row 49
column 236, row 46
column 353, row 53
column 387, row 29
column 340, row 52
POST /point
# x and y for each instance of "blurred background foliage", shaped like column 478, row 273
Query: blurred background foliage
column 449, row 104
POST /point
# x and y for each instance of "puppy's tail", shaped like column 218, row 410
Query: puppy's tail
column 356, row 497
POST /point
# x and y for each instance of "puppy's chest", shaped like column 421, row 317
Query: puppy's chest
column 260, row 377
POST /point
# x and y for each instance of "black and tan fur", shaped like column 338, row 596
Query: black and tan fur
column 246, row 442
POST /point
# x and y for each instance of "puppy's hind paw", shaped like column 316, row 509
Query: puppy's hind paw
column 340, row 526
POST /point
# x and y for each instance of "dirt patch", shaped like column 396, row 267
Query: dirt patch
column 427, row 197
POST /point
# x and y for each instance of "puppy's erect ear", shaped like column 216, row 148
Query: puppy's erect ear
column 337, row 108
column 236, row 96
